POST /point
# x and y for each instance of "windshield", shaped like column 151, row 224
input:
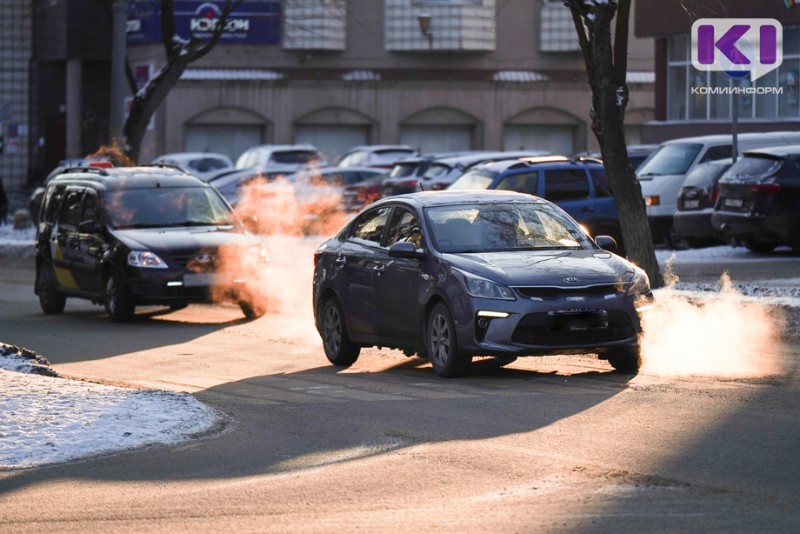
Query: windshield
column 675, row 158
column 160, row 207
column 474, row 179
column 500, row 227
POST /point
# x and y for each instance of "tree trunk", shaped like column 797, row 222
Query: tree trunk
column 606, row 68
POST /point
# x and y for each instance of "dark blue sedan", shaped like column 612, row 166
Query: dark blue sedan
column 453, row 275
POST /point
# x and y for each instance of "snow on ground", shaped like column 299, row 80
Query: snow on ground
column 46, row 419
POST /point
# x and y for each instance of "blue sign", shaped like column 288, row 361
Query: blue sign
column 252, row 22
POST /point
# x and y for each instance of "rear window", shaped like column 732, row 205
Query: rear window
column 752, row 169
column 675, row 158
column 522, row 182
column 474, row 179
column 401, row 170
column 293, row 156
column 706, row 174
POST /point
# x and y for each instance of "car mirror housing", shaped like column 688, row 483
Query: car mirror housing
column 405, row 250
column 606, row 242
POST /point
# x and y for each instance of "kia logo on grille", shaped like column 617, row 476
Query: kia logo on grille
column 572, row 280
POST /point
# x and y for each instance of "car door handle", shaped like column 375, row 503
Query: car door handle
column 380, row 267
column 340, row 260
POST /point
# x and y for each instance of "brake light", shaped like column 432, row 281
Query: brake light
column 652, row 201
column 713, row 195
column 101, row 164
column 765, row 188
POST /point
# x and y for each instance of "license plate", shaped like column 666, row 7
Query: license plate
column 205, row 279
column 691, row 204
column 734, row 202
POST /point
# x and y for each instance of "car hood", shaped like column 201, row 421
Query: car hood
column 546, row 267
column 176, row 240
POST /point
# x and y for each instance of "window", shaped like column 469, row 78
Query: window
column 566, row 184
column 89, row 207
column 716, row 152
column 601, row 186
column 370, row 225
column 698, row 95
column 405, row 227
column 71, row 212
column 524, row 182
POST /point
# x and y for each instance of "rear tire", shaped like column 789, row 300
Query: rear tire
column 442, row 345
column 51, row 301
column 626, row 360
column 118, row 301
column 335, row 340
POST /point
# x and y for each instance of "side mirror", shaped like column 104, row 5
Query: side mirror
column 606, row 242
column 405, row 250
column 251, row 223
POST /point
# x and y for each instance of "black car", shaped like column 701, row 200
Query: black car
column 759, row 199
column 696, row 199
column 452, row 275
column 133, row 236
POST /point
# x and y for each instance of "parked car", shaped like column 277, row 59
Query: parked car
column 759, row 199
column 692, row 220
column 353, row 187
column 662, row 174
column 204, row 165
column 231, row 184
column 578, row 186
column 286, row 158
column 380, row 156
column 491, row 273
column 636, row 154
column 407, row 173
column 444, row 172
column 131, row 236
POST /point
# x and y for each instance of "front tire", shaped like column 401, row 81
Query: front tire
column 119, row 301
column 335, row 340
column 51, row 301
column 626, row 360
column 442, row 345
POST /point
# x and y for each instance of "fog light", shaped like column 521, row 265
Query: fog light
column 483, row 322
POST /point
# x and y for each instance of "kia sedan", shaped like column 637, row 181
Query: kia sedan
column 453, row 275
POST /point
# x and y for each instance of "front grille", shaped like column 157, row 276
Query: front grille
column 199, row 262
column 553, row 292
column 573, row 328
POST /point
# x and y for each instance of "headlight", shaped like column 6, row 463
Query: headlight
column 477, row 286
column 639, row 284
column 146, row 260
column 257, row 254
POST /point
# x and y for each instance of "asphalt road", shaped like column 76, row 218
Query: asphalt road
column 551, row 444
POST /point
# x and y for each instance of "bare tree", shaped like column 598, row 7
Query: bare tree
column 180, row 53
column 605, row 54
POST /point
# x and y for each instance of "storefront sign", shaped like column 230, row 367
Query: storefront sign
column 253, row 21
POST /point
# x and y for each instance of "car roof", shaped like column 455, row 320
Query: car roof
column 378, row 148
column 775, row 151
column 527, row 163
column 285, row 148
column 192, row 155
column 722, row 138
column 446, row 198
column 142, row 177
column 472, row 158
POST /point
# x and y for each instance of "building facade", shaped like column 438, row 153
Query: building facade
column 15, row 55
column 688, row 101
column 439, row 75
